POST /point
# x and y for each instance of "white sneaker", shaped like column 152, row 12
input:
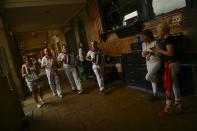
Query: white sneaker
column 102, row 89
column 60, row 96
column 42, row 102
column 38, row 105
column 80, row 92
column 54, row 94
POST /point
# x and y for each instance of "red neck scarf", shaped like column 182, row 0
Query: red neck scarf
column 94, row 49
column 29, row 64
column 167, row 80
column 48, row 56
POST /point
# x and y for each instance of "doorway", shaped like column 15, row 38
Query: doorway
column 71, row 41
column 82, row 34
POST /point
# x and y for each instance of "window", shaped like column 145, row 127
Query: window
column 165, row 6
column 130, row 18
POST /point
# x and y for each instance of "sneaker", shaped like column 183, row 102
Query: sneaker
column 74, row 91
column 42, row 102
column 54, row 94
column 61, row 96
column 80, row 92
column 154, row 98
column 38, row 105
column 166, row 111
column 102, row 89
column 177, row 105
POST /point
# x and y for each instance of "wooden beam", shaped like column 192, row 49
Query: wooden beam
column 34, row 49
column 30, row 3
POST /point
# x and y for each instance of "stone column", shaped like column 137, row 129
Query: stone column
column 14, row 81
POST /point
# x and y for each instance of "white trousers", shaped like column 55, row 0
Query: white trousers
column 98, row 72
column 73, row 78
column 175, row 68
column 152, row 69
column 54, row 81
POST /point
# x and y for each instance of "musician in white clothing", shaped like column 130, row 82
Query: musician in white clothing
column 153, row 61
column 82, row 62
column 49, row 63
column 95, row 56
column 70, row 66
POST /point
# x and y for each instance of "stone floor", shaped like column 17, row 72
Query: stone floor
column 120, row 109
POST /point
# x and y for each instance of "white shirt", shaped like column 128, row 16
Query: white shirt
column 48, row 62
column 147, row 46
column 40, row 61
column 81, row 54
column 67, row 59
column 61, row 57
column 91, row 54
column 31, row 71
column 96, row 55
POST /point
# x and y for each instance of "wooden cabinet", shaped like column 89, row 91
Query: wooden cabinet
column 110, row 73
column 134, row 69
column 187, row 78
